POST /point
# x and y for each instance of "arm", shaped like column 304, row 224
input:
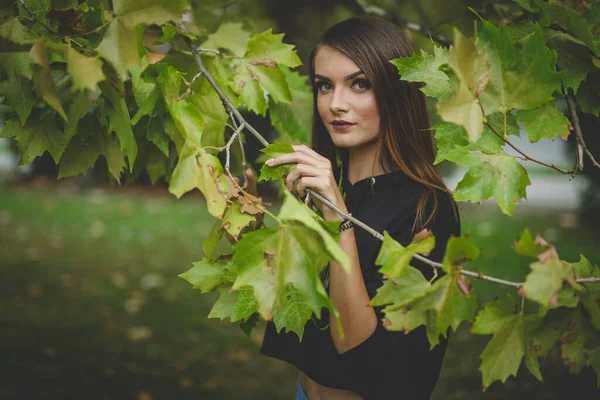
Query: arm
column 347, row 291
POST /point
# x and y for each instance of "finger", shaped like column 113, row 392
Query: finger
column 298, row 158
column 310, row 152
column 251, row 180
column 310, row 182
column 301, row 170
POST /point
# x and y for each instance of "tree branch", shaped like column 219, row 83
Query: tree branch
column 230, row 107
column 52, row 31
column 527, row 158
column 243, row 123
column 581, row 147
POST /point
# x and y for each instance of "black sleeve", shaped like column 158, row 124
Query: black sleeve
column 387, row 361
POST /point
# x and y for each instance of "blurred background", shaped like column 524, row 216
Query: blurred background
column 91, row 306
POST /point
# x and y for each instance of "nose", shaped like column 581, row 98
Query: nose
column 338, row 103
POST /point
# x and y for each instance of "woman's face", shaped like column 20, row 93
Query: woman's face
column 345, row 99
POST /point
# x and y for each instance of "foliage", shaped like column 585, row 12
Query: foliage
column 91, row 78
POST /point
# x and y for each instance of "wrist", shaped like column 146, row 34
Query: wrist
column 331, row 215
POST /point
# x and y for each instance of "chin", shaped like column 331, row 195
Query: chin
column 348, row 141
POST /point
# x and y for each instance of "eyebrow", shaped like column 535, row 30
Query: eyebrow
column 346, row 78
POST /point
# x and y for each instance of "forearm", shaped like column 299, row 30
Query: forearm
column 349, row 296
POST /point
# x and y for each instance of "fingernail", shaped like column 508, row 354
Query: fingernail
column 269, row 161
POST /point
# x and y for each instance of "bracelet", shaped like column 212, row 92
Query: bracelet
column 346, row 224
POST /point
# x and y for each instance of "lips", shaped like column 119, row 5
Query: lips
column 341, row 124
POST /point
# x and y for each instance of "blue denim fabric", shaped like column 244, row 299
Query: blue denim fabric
column 300, row 395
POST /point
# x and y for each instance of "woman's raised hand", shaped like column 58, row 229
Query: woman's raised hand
column 313, row 171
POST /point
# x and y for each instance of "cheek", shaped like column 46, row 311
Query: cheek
column 369, row 112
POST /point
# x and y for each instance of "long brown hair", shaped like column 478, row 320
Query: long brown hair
column 405, row 142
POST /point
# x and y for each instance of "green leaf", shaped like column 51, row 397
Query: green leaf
column 545, row 122
column 293, row 120
column 527, row 4
column 493, row 316
column 588, row 292
column 246, row 84
column 246, row 304
column 594, row 361
column 43, row 80
column 578, row 338
column 155, row 133
column 427, row 68
column 573, row 59
column 212, row 240
column 15, row 37
column 120, row 123
column 225, row 306
column 295, row 210
column 119, row 43
column 221, row 71
column 156, row 166
column 499, row 176
column 545, row 281
column 215, row 118
column 528, row 84
column 503, row 354
column 80, row 156
column 147, row 105
column 458, row 251
column 395, row 259
column 208, row 276
column 401, row 291
column 568, row 19
column 268, row 173
column 85, row 71
column 268, row 46
column 81, row 104
column 272, row 80
column 234, row 220
column 230, row 36
column 471, row 69
column 292, row 313
column 588, row 95
column 115, row 158
column 35, row 138
column 205, row 172
column 270, row 260
column 550, row 330
column 526, row 246
column 19, row 96
column 442, row 306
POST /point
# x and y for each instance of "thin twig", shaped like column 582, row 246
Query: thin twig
column 433, row 264
column 243, row 123
column 52, row 31
column 581, row 146
column 203, row 50
column 189, row 86
column 228, row 145
column 243, row 152
column 527, row 158
column 230, row 107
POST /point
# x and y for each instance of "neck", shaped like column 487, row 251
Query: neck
column 363, row 162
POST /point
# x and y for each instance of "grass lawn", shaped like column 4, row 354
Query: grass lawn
column 91, row 306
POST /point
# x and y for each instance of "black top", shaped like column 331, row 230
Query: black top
column 388, row 365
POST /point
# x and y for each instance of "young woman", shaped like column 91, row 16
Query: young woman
column 377, row 126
